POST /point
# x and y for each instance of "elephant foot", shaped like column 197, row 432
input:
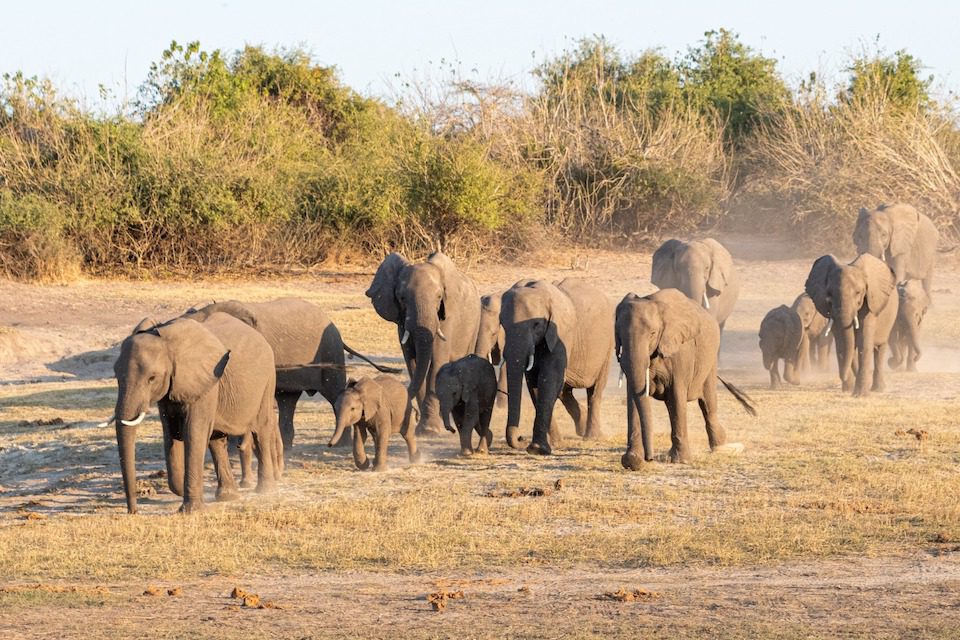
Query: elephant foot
column 631, row 461
column 593, row 434
column 879, row 387
column 193, row 506
column 466, row 452
column 380, row 467
column 731, row 448
column 481, row 451
column 227, row 495
column 912, row 368
column 416, row 458
column 246, row 483
column 539, row 449
column 677, row 456
column 266, row 486
column 362, row 466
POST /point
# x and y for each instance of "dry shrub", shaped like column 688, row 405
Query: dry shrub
column 813, row 165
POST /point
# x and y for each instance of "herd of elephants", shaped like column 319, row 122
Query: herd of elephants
column 234, row 369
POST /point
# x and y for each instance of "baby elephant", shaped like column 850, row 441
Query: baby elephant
column 905, row 337
column 381, row 406
column 817, row 338
column 781, row 338
column 467, row 388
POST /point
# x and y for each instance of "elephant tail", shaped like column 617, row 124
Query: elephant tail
column 378, row 367
column 745, row 401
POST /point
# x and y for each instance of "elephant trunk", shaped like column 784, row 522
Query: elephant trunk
column 518, row 353
column 341, row 427
column 423, row 343
column 846, row 349
column 126, row 443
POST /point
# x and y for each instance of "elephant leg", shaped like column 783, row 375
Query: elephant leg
column 639, row 429
column 382, row 437
column 548, row 389
column 359, row 451
column 286, row 406
column 226, row 484
column 790, row 372
column 266, row 474
column 413, row 454
column 716, row 434
column 865, row 351
column 677, row 409
column 594, row 429
column 173, row 450
column 775, row 375
column 575, row 409
column 464, row 429
column 878, row 382
column 483, row 430
column 198, row 428
column 245, row 449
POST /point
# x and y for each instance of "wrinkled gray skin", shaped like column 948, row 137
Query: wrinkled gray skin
column 781, row 338
column 860, row 299
column 701, row 269
column 209, row 380
column 816, row 339
column 438, row 308
column 905, row 337
column 677, row 341
column 467, row 390
column 491, row 339
column 560, row 338
column 902, row 237
column 300, row 333
column 381, row 407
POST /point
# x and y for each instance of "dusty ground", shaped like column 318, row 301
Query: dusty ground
column 834, row 522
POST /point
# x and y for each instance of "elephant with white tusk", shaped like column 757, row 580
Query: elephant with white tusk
column 437, row 312
column 861, row 301
column 702, row 270
column 902, row 237
column 667, row 346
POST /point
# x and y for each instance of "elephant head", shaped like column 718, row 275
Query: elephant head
column 535, row 323
column 648, row 327
column 180, row 361
column 414, row 297
column 359, row 402
column 450, row 391
column 781, row 334
column 700, row 269
column 845, row 293
column 887, row 231
column 490, row 337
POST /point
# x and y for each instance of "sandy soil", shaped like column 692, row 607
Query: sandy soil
column 58, row 344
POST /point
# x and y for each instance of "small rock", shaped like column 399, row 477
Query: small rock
column 152, row 591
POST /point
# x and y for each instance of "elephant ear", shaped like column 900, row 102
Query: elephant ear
column 721, row 265
column 904, row 222
column 880, row 278
column 371, row 397
column 817, row 286
column 793, row 330
column 199, row 359
column 680, row 322
column 661, row 273
column 383, row 289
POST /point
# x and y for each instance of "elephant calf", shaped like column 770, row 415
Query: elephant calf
column 816, row 339
column 905, row 337
column 467, row 389
column 380, row 406
column 781, row 338
column 667, row 347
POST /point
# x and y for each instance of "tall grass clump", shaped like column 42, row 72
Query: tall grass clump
column 880, row 138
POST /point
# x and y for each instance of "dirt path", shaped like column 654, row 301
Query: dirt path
column 869, row 598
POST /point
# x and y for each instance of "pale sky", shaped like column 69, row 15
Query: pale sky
column 80, row 45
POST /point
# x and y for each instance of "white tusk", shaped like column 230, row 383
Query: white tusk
column 620, row 379
column 108, row 421
column 135, row 421
column 440, row 333
column 489, row 358
column 883, row 256
column 530, row 362
column 829, row 324
column 646, row 391
column 406, row 336
column 706, row 303
column 856, row 322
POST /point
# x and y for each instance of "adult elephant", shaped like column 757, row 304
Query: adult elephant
column 860, row 300
column 560, row 337
column 436, row 305
column 702, row 270
column 667, row 347
column 307, row 348
column 902, row 237
column 209, row 380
